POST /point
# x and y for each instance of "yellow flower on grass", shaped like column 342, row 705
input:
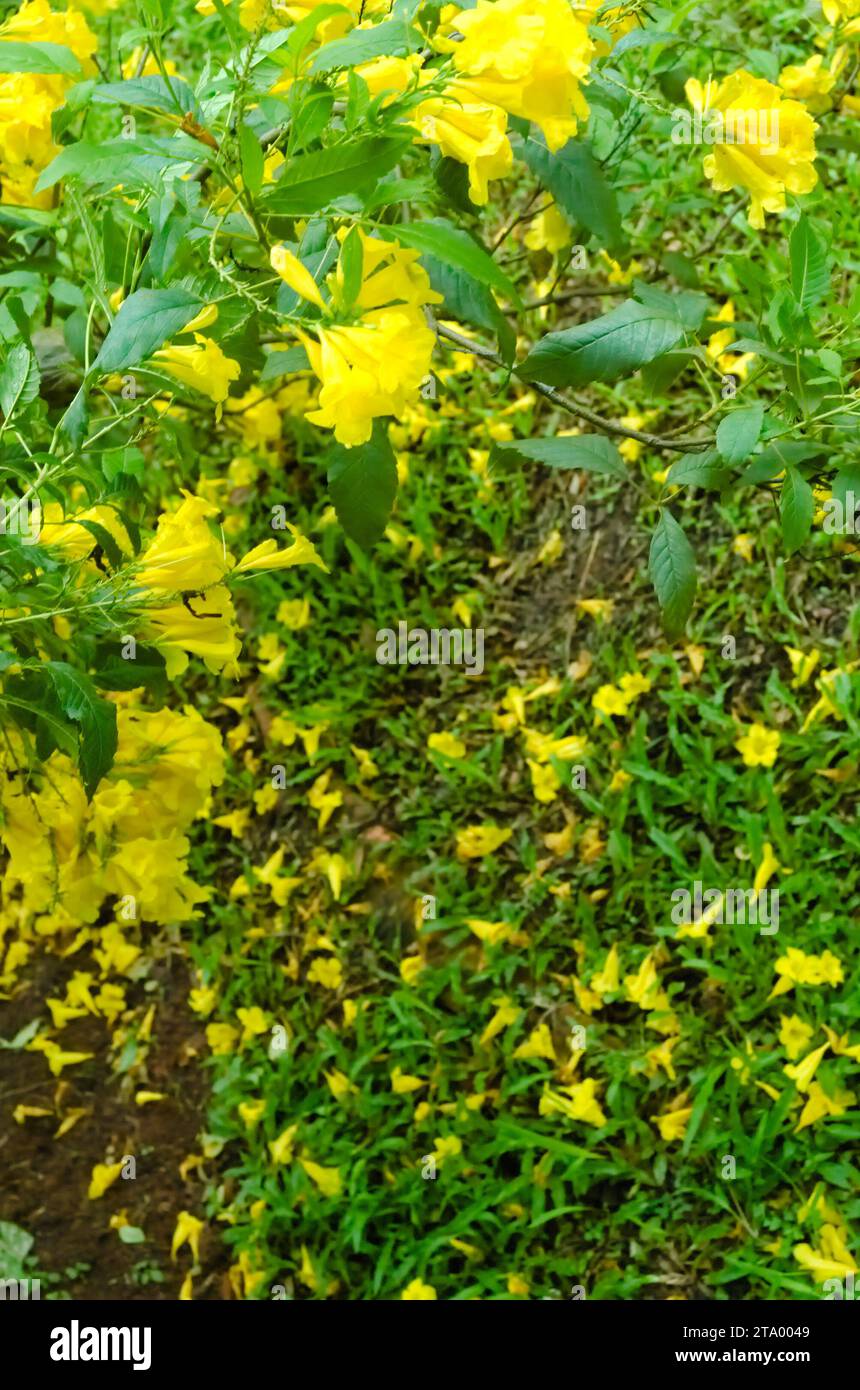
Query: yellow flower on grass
column 601, row 609
column 490, row 932
column 673, row 1124
column 339, row 1084
column 506, row 1014
column 577, row 1102
column 326, row 971
column 545, row 781
column 798, row 968
column 819, row 1105
column 743, row 545
column 104, row 1176
column 447, row 744
column 606, row 981
column 794, row 1035
column 269, row 556
column 188, row 1231
column 758, row 746
column 251, row 1113
column 294, row 613
column 281, row 1148
column 402, row 1083
column 327, row 1180
column 254, row 1023
column 221, row 1037
column 449, row 1146
column 773, row 154
column 539, row 1044
column 832, row 1259
column 801, row 1073
column 518, row 1287
column 477, row 841
column 418, row 1292
column 802, row 664
column 410, row 969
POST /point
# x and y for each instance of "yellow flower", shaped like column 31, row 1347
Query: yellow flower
column 673, row 1124
column 600, row 608
column 549, row 231
column 743, row 545
column 794, row 1035
column 490, row 932
column 410, row 969
column 527, row 56
column 204, row 367
column 281, row 1148
column 577, row 1102
column 326, row 1179
column 798, row 968
column 832, row 1259
column 417, row 1292
column 187, row 1232
column 809, row 82
column 402, row 1083
column 104, row 1176
column 327, row 972
column 294, row 613
column 296, row 275
column 539, row 1044
column 820, row 1105
column 447, row 1147
column 606, row 981
column 251, row 1112
column 447, row 744
column 506, row 1014
column 802, row 664
column 801, row 1073
column 221, row 1037
column 473, row 133
column 773, row 156
column 758, row 746
column 518, row 1287
column 609, row 700
column 545, row 782
column 267, row 555
column 477, row 841
column 254, row 1023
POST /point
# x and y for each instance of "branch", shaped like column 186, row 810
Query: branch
column 657, row 441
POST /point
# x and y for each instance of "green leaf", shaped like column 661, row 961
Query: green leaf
column 80, row 702
column 294, row 359
column 144, row 323
column 352, row 266
column 699, row 470
column 363, row 483
column 700, row 1105
column 19, row 379
column 468, row 301
column 312, row 181
column 577, row 183
column 363, row 45
column 436, row 237
column 113, row 160
column 738, row 432
column 810, row 274
column 253, row 159
column 38, row 57
column 604, row 349
column 796, row 509
column 131, row 1235
column 112, row 671
column 591, row 452
column 672, row 566
column 152, row 92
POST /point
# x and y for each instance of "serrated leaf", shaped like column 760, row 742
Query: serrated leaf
column 144, row 323
column 468, row 301
column 604, row 349
column 80, row 702
column 738, row 432
column 151, row 91
column 112, row 161
column 312, row 181
column 578, row 184
column 672, row 566
column 593, row 453
column 437, row 237
column 699, row 470
column 363, row 45
column 38, row 58
column 810, row 275
column 796, row 509
column 19, row 379
column 363, row 484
